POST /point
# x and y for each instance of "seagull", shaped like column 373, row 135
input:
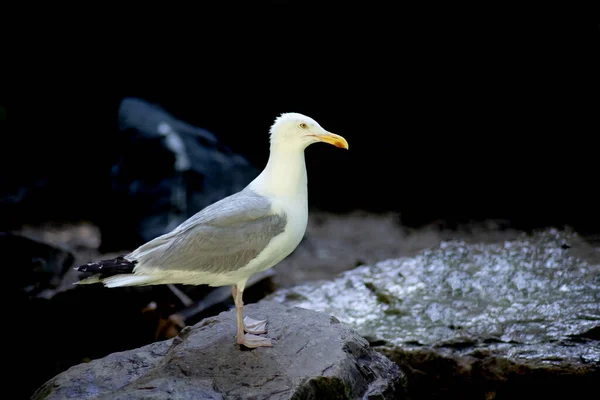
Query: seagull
column 236, row 237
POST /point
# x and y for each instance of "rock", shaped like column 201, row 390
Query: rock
column 131, row 168
column 56, row 324
column 37, row 267
column 314, row 356
column 498, row 320
column 168, row 170
column 41, row 293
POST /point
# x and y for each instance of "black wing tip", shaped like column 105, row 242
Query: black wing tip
column 119, row 264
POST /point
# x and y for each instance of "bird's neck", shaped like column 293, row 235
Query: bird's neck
column 284, row 175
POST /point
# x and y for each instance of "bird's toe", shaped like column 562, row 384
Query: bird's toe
column 255, row 326
column 253, row 341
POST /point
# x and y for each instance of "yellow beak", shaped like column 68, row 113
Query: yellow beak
column 333, row 139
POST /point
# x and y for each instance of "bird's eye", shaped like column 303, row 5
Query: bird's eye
column 303, row 125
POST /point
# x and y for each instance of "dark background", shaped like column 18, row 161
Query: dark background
column 451, row 115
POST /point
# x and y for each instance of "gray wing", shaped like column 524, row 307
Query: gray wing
column 222, row 237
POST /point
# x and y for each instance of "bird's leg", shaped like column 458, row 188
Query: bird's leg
column 237, row 298
column 253, row 326
column 248, row 340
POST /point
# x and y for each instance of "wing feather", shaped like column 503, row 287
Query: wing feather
column 223, row 237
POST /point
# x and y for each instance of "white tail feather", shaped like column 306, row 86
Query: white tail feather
column 126, row 280
column 90, row 280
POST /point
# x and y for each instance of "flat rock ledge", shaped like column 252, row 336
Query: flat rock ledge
column 314, row 356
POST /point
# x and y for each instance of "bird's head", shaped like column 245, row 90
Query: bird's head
column 297, row 131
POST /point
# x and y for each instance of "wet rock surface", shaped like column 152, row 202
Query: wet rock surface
column 313, row 356
column 480, row 320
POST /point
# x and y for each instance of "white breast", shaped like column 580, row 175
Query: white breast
column 284, row 182
column 296, row 212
